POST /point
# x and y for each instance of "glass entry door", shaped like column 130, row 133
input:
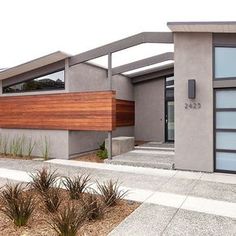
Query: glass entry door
column 225, row 130
column 170, row 131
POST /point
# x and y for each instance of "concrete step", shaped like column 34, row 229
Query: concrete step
column 152, row 152
column 169, row 149
column 159, row 165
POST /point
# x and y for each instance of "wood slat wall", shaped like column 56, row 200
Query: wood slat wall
column 65, row 111
column 124, row 113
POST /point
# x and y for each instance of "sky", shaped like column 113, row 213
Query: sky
column 34, row 28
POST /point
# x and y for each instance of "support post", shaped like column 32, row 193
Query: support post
column 110, row 88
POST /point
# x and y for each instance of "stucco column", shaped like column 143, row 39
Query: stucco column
column 193, row 117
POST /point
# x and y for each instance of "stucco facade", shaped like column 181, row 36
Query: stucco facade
column 150, row 110
column 78, row 78
column 193, row 127
column 202, row 131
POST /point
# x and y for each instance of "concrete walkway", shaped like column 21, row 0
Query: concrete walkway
column 152, row 154
column 174, row 202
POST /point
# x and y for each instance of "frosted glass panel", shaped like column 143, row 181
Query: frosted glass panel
column 225, row 62
column 226, row 140
column 226, row 161
column 226, row 120
column 226, row 99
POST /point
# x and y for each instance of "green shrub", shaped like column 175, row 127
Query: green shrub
column 76, row 185
column 102, row 152
column 110, row 192
column 17, row 206
column 68, row 221
column 102, row 146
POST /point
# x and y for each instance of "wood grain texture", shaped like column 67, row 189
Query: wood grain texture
column 64, row 111
column 124, row 113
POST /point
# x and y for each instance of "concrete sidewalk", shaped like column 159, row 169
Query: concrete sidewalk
column 174, row 202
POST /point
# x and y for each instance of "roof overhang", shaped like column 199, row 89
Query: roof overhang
column 144, row 37
column 210, row 26
column 151, row 71
column 34, row 64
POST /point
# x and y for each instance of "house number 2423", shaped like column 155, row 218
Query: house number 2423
column 192, row 105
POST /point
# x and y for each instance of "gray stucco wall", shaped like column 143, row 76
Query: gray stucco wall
column 78, row 78
column 86, row 77
column 84, row 141
column 150, row 110
column 193, row 127
column 56, row 139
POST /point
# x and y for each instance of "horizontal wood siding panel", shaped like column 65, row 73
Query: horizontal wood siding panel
column 65, row 111
column 124, row 113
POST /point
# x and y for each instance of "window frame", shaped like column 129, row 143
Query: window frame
column 214, row 61
column 215, row 130
column 31, row 79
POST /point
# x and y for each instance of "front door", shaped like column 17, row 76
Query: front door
column 170, row 131
column 225, row 130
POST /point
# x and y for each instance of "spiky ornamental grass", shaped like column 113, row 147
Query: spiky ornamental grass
column 110, row 192
column 92, row 206
column 52, row 199
column 30, row 147
column 43, row 180
column 76, row 185
column 17, row 205
column 67, row 221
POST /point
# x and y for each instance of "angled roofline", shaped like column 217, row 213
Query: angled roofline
column 33, row 64
column 145, row 37
column 143, row 63
column 150, row 71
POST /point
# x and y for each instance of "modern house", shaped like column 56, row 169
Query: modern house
column 191, row 101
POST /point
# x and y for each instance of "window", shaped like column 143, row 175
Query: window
column 225, row 62
column 53, row 81
column 225, row 133
column 170, row 88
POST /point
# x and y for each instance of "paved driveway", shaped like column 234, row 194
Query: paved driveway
column 173, row 202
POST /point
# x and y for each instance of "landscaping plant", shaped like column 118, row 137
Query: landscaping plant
column 16, row 146
column 5, row 140
column 76, row 185
column 30, row 146
column 68, row 221
column 16, row 205
column 11, row 192
column 102, row 152
column 45, row 147
column 43, row 180
column 21, row 146
column 52, row 199
column 110, row 192
column 92, row 206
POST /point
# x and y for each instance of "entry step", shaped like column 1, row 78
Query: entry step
column 169, row 149
column 160, row 165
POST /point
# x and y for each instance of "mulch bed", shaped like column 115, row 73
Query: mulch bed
column 37, row 224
